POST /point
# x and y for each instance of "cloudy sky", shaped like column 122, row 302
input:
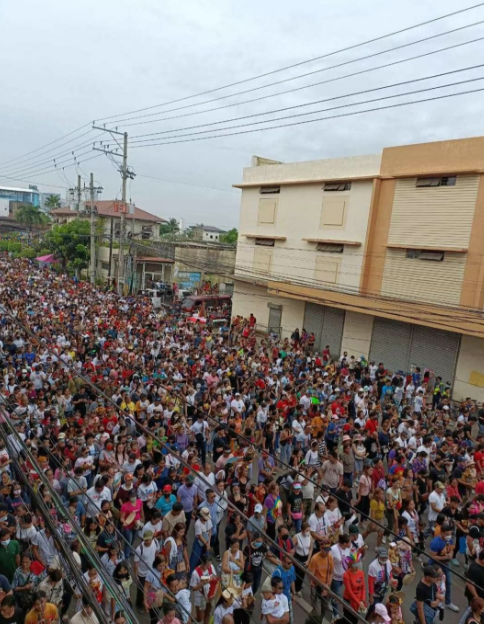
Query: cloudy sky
column 65, row 64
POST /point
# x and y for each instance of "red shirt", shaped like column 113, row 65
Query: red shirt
column 371, row 425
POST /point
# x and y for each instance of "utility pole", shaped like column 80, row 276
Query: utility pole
column 126, row 174
column 78, row 193
column 92, row 265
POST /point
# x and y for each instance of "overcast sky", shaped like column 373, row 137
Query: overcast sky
column 64, row 64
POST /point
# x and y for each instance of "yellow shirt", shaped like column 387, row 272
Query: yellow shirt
column 50, row 614
column 378, row 508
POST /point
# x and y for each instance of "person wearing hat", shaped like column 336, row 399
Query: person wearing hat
column 257, row 522
column 380, row 573
column 145, row 554
column 321, row 566
column 203, row 534
column 295, row 506
column 275, row 606
column 166, row 501
column 381, row 615
column 426, row 597
column 225, row 606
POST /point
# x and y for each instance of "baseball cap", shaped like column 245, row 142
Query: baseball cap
column 258, row 508
column 353, row 529
column 382, row 553
column 61, row 436
column 147, row 535
column 297, row 486
column 190, row 478
column 205, row 511
column 167, row 488
column 381, row 610
column 439, row 484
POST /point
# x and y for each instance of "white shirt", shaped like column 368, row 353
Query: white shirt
column 83, row 618
column 95, row 499
column 339, row 555
column 144, row 557
column 439, row 501
column 318, row 525
column 276, row 607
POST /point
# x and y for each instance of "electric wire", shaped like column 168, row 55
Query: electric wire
column 298, row 123
column 330, row 80
column 346, row 49
column 47, row 145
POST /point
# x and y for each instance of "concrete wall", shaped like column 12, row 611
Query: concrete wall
column 357, row 333
column 249, row 299
column 299, row 217
column 469, row 373
column 328, row 169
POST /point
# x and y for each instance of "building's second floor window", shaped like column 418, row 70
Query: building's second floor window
column 265, row 242
column 422, row 254
column 330, row 247
column 269, row 190
column 147, row 232
column 433, row 182
column 337, row 186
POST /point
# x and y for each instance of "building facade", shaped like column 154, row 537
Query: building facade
column 207, row 233
column 378, row 255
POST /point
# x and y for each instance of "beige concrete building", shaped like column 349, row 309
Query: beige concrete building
column 378, row 255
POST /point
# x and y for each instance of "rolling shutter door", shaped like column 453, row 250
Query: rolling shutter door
column 332, row 333
column 390, row 344
column 313, row 322
column 436, row 350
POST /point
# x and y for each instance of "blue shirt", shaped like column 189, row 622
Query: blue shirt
column 437, row 545
column 288, row 577
column 165, row 505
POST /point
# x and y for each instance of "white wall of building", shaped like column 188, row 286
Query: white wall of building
column 327, row 169
column 249, row 299
column 298, row 218
column 469, row 374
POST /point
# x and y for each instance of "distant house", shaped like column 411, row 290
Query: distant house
column 207, row 233
column 146, row 225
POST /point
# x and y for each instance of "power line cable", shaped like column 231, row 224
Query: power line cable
column 47, row 145
column 298, row 115
column 298, row 123
column 51, row 159
column 28, row 162
column 313, row 84
column 135, row 139
column 328, row 54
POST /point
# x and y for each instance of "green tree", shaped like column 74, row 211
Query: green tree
column 230, row 237
column 170, row 227
column 70, row 244
column 52, row 201
column 31, row 215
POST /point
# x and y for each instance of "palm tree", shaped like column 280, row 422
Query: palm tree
column 30, row 216
column 170, row 227
column 52, row 201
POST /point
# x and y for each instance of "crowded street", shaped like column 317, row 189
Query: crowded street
column 154, row 468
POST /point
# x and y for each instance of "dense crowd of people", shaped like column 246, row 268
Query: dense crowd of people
column 149, row 462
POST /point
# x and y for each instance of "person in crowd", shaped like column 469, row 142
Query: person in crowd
column 124, row 424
